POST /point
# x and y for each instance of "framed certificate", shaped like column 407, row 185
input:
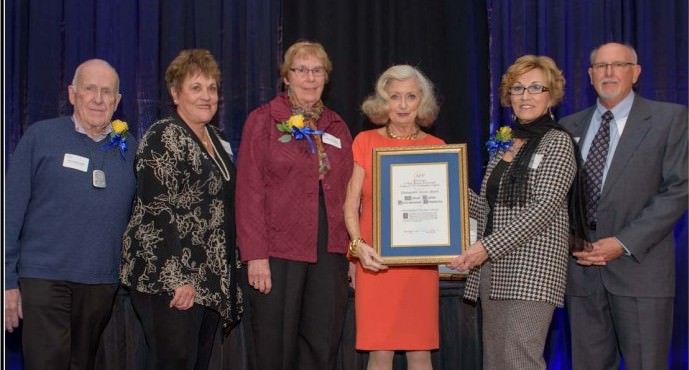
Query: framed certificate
column 420, row 204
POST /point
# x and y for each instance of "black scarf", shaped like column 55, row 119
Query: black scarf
column 518, row 173
column 517, row 176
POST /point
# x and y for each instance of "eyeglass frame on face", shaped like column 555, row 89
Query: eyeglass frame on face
column 533, row 89
column 616, row 66
column 304, row 71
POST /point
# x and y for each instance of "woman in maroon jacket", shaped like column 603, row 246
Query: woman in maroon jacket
column 295, row 159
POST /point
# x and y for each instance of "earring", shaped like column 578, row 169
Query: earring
column 514, row 117
column 550, row 112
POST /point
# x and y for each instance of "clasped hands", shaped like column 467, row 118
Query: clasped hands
column 600, row 253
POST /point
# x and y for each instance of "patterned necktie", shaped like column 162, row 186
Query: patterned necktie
column 593, row 168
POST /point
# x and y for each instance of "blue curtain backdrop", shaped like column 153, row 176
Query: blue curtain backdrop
column 567, row 31
column 46, row 40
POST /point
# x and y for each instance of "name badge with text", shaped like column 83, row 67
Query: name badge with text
column 332, row 140
column 76, row 162
column 226, row 146
column 536, row 161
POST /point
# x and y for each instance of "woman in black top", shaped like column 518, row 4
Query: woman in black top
column 518, row 266
column 179, row 257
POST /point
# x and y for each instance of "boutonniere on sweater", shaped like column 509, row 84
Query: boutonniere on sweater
column 294, row 128
column 118, row 137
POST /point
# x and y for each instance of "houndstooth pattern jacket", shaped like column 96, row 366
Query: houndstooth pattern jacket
column 528, row 248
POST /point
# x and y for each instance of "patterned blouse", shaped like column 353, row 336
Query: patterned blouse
column 182, row 228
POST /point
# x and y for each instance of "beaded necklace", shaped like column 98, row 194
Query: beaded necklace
column 411, row 136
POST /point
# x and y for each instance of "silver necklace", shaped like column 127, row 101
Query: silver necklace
column 221, row 165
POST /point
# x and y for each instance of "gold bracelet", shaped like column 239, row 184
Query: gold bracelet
column 354, row 247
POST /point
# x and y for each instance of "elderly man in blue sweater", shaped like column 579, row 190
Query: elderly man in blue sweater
column 70, row 187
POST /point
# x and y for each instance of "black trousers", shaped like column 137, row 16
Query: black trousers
column 63, row 322
column 298, row 326
column 175, row 339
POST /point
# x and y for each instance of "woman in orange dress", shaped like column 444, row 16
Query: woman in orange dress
column 396, row 307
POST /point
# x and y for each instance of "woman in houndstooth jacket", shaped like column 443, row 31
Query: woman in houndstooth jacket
column 518, row 267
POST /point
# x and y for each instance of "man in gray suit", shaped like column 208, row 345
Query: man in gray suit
column 620, row 291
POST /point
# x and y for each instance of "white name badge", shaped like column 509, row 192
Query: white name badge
column 536, row 160
column 76, row 162
column 227, row 147
column 332, row 140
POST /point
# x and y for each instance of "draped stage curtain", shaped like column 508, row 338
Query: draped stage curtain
column 463, row 46
column 46, row 40
column 567, row 31
column 446, row 39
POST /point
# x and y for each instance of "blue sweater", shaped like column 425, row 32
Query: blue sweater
column 58, row 225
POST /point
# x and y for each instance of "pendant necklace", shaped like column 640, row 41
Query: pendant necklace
column 97, row 175
column 221, row 165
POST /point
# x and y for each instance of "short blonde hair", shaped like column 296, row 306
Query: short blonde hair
column 376, row 106
column 301, row 49
column 554, row 79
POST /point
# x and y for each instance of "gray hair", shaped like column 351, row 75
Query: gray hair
column 77, row 73
column 630, row 48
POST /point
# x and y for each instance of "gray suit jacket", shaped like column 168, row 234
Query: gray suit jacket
column 644, row 194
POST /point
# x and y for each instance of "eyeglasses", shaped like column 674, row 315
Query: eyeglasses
column 304, row 71
column 616, row 66
column 532, row 89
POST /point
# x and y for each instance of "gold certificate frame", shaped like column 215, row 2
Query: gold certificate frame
column 420, row 204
